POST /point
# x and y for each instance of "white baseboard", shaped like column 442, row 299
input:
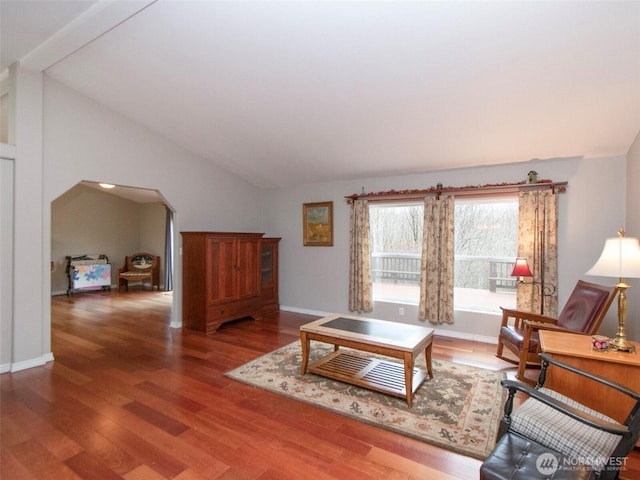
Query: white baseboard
column 31, row 363
column 467, row 336
column 304, row 311
column 443, row 333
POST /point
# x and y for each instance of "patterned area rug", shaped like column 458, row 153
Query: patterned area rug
column 459, row 409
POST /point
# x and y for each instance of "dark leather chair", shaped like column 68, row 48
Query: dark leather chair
column 551, row 436
column 583, row 313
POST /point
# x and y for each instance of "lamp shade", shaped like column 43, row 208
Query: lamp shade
column 620, row 258
column 521, row 268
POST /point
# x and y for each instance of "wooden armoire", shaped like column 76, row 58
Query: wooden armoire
column 221, row 279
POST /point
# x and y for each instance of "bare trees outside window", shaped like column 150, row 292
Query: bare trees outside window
column 485, row 249
column 486, row 244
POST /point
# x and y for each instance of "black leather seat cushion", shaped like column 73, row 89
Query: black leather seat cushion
column 515, row 458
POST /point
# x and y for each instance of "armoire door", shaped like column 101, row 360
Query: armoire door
column 221, row 269
column 248, row 263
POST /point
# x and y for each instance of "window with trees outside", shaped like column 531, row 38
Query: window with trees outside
column 486, row 242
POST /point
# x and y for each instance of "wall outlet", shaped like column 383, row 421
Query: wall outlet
column 401, row 311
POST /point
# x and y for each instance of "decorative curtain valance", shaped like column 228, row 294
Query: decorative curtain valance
column 471, row 190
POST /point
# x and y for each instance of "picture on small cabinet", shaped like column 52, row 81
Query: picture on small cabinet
column 317, row 224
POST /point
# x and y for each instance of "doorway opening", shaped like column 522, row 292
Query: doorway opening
column 89, row 219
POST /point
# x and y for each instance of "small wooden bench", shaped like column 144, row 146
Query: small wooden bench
column 138, row 268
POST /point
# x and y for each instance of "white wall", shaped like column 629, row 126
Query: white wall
column 63, row 138
column 6, row 258
column 86, row 141
column 5, row 99
column 314, row 279
column 31, row 341
column 632, row 214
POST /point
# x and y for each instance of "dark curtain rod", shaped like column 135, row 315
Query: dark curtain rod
column 479, row 190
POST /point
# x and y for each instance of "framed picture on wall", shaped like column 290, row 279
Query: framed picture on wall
column 317, row 224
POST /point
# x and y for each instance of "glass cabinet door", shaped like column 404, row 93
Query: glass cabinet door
column 269, row 275
column 267, row 263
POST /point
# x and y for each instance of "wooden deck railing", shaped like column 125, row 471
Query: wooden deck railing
column 485, row 273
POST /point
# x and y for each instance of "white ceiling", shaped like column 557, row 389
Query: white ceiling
column 135, row 194
column 25, row 25
column 294, row 92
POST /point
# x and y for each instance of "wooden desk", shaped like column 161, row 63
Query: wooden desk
column 619, row 367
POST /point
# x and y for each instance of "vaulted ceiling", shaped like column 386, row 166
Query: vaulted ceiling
column 294, row 92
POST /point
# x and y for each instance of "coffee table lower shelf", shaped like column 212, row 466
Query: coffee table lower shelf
column 372, row 373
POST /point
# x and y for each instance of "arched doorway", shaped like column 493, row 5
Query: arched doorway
column 118, row 221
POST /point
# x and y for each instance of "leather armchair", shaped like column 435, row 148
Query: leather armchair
column 583, row 313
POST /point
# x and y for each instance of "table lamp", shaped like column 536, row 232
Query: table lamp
column 620, row 258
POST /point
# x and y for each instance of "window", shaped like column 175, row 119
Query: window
column 396, row 247
column 486, row 244
column 486, row 231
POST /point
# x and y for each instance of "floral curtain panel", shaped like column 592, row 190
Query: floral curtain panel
column 436, row 270
column 537, row 242
column 360, row 290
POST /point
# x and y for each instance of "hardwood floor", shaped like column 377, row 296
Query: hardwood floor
column 129, row 397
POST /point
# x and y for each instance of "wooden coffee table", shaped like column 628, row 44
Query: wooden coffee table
column 397, row 340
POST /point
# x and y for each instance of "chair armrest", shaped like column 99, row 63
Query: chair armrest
column 520, row 316
column 583, row 417
column 533, row 325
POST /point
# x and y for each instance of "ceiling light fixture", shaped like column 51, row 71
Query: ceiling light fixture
column 107, row 185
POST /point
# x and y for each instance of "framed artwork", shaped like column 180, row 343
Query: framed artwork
column 317, row 224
